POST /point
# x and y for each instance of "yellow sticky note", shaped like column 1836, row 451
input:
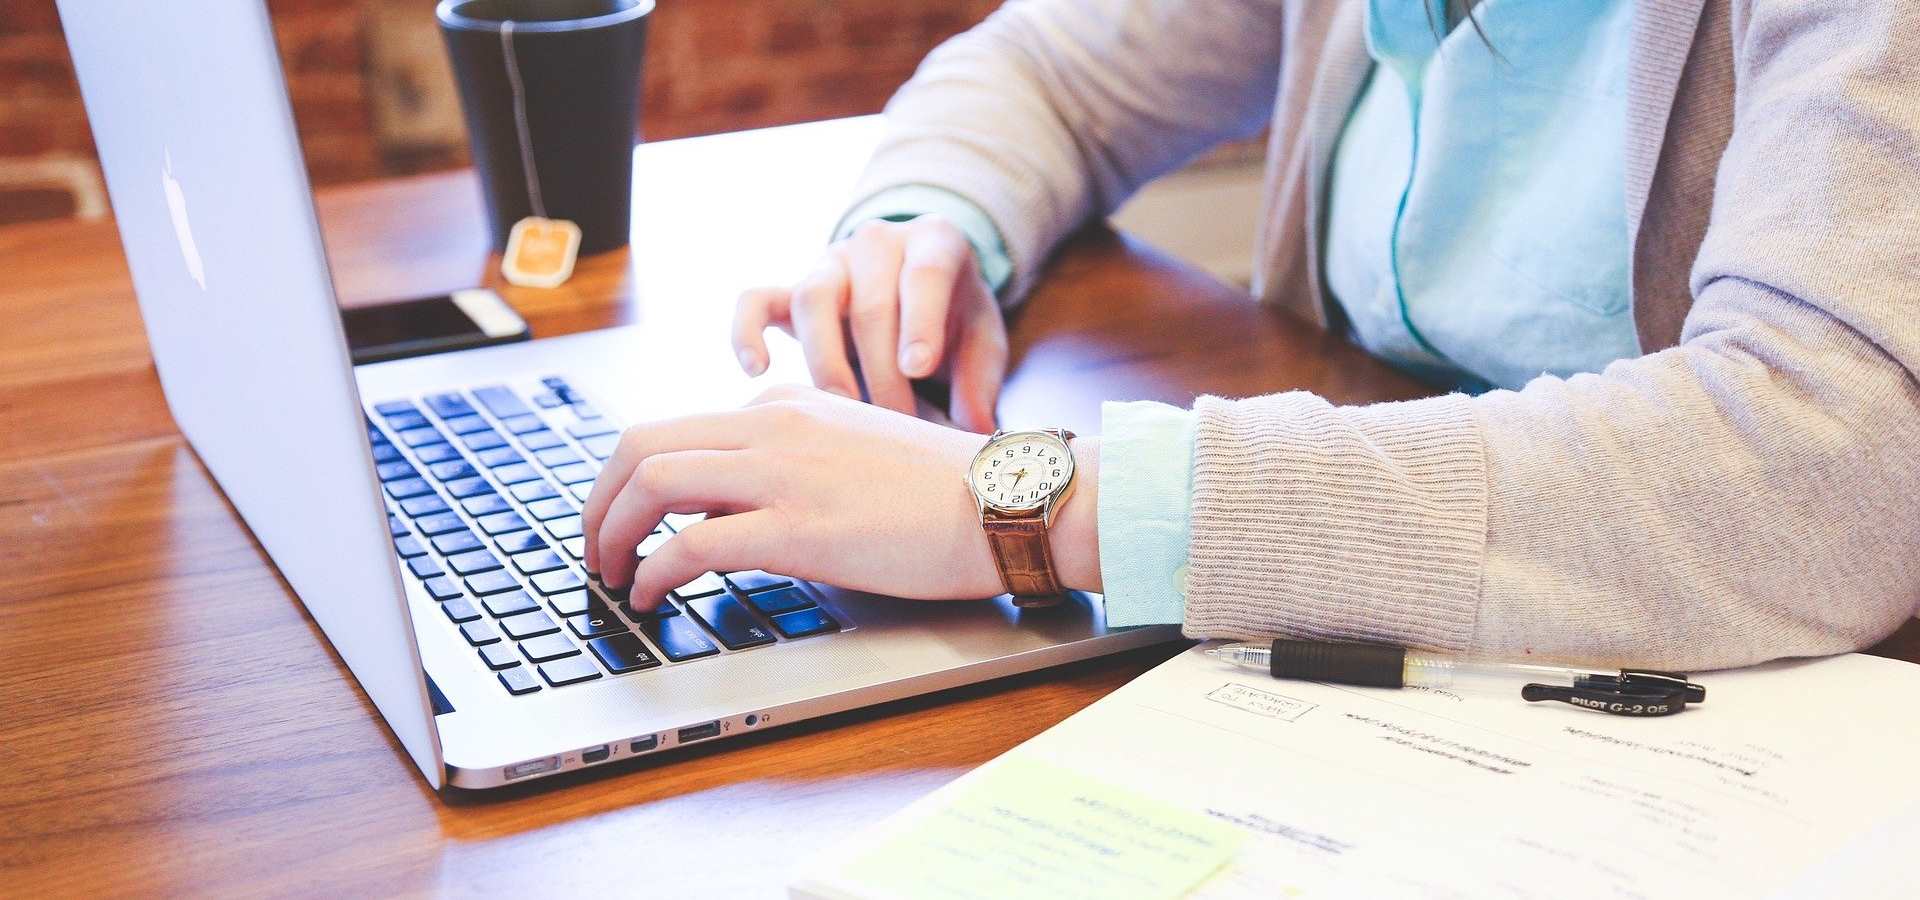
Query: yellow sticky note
column 1028, row 829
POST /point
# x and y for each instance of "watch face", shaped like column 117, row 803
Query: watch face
column 1021, row 470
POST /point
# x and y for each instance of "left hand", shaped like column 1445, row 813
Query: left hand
column 812, row 486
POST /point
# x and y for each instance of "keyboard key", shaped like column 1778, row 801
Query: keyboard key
column 393, row 407
column 617, row 595
column 500, row 456
column 439, row 523
column 486, row 505
column 705, row 585
column 585, row 410
column 779, row 600
column 664, row 611
column 730, row 622
column 408, row 547
column 576, row 547
column 408, row 487
column 678, row 638
column 538, row 561
column 554, row 582
column 805, row 622
column 437, row 453
column 452, row 469
column 552, row 508
column 546, row 647
column 557, row 456
column 522, row 424
column 479, row 633
column 394, row 471
column 748, row 582
column 544, row 441
column 547, row 400
column 384, row 452
column 424, row 566
column 499, row 656
column 529, row 491
column 423, row 506
column 651, row 543
column 568, row 671
column 396, row 527
column 501, row 523
column 680, row 521
column 456, row 542
column 575, row 473
column 447, row 406
column 405, row 420
column 601, row 446
column 518, row 681
column 528, row 625
column 491, row 583
column 468, row 487
column 516, row 473
column 500, row 401
column 565, row 528
column 466, row 424
column 596, row 622
column 591, row 428
column 459, row 610
column 442, row 588
column 571, row 603
column 483, row 440
column 510, row 604
column 623, row 653
column 581, row 490
column 520, row 542
column 473, row 563
column 420, row 437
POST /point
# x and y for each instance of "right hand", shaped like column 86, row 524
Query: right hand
column 910, row 297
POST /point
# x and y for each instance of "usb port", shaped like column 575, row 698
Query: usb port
column 699, row 732
column 597, row 754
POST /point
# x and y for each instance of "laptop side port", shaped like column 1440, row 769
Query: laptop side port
column 644, row 745
column 693, row 733
column 596, row 754
column 531, row 767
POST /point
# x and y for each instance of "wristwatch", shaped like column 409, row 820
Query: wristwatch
column 1018, row 479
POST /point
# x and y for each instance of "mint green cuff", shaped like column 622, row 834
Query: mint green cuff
column 908, row 201
column 1146, row 488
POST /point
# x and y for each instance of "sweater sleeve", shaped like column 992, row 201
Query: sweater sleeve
column 1052, row 112
column 1752, row 493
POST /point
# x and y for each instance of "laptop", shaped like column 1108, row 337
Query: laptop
column 425, row 511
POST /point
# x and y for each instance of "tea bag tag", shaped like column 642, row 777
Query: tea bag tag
column 540, row 252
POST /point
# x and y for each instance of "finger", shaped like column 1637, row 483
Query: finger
column 933, row 263
column 755, row 311
column 687, row 481
column 979, row 368
column 746, row 540
column 816, row 312
column 727, row 430
column 874, row 318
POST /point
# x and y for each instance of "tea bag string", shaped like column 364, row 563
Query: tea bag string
column 520, row 119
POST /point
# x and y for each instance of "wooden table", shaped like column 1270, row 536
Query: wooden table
column 173, row 721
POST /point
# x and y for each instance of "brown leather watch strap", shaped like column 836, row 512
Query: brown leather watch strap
column 1025, row 557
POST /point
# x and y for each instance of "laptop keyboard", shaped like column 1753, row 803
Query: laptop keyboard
column 484, row 489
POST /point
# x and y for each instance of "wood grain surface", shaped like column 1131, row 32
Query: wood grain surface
column 174, row 723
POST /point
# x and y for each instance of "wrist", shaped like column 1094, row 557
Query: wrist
column 1075, row 534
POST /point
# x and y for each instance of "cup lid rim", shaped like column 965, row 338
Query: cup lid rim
column 444, row 10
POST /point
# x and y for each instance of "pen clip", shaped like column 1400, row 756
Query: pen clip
column 1633, row 692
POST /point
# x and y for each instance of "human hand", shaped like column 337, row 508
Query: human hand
column 819, row 487
column 910, row 297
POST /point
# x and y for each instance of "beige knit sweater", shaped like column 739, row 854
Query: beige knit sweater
column 1749, row 489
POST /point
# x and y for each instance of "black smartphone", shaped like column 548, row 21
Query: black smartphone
column 475, row 317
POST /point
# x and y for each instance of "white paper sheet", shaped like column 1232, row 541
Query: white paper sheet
column 1376, row 792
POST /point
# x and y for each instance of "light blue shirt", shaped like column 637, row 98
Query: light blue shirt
column 1477, row 238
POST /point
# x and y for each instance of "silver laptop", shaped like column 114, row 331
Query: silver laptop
column 425, row 511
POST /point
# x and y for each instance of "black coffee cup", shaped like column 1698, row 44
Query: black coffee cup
column 551, row 91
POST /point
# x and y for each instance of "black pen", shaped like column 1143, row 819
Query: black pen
column 1623, row 692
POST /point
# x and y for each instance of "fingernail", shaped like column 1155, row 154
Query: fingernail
column 916, row 358
column 750, row 362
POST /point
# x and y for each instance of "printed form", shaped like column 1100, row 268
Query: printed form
column 1345, row 791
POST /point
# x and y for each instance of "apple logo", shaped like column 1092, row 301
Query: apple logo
column 182, row 229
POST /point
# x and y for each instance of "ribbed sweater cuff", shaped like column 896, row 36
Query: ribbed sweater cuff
column 1362, row 523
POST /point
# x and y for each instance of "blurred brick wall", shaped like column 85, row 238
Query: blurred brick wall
column 372, row 95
